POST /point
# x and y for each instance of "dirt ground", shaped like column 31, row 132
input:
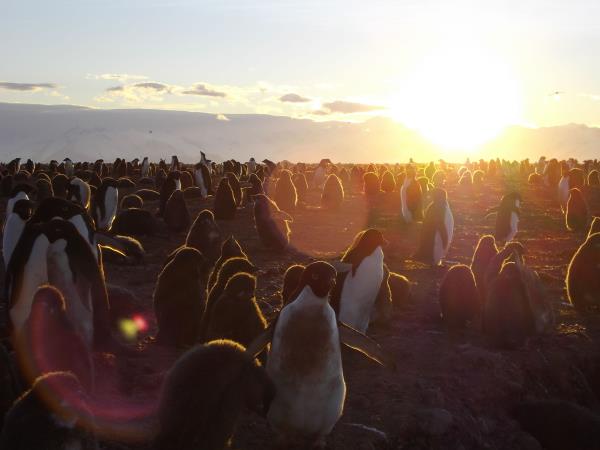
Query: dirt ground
column 447, row 392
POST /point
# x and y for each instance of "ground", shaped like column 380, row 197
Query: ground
column 448, row 392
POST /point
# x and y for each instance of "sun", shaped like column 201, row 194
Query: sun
column 459, row 97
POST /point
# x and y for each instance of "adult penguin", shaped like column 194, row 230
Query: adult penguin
column 230, row 248
column 79, row 191
column 577, row 214
column 172, row 183
column 571, row 179
column 285, row 196
column 176, row 214
column 60, row 184
column 14, row 226
column 305, row 360
column 180, row 298
column 202, row 179
column 19, row 192
column 145, row 168
column 411, row 197
column 44, row 189
column 225, row 205
column 235, row 315
column 320, row 173
column 437, row 230
column 105, row 203
column 583, row 275
column 508, row 214
column 333, row 193
column 271, row 223
column 360, row 275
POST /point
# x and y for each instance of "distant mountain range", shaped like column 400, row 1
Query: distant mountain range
column 55, row 132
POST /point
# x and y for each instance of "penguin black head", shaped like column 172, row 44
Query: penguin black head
column 190, row 257
column 174, row 175
column 320, row 276
column 241, row 285
column 22, row 187
column 60, row 229
column 23, row 208
column 56, row 207
column 487, row 243
column 364, row 244
column 439, row 196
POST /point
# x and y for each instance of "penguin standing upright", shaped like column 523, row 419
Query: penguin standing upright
column 230, row 248
column 320, row 173
column 202, row 179
column 577, row 214
column 332, row 196
column 485, row 251
column 507, row 218
column 271, row 223
column 225, row 204
column 145, row 169
column 359, row 279
column 19, row 192
column 79, row 191
column 172, row 183
column 305, row 361
column 285, row 196
column 176, row 214
column 411, row 197
column 458, row 297
column 13, row 227
column 174, row 163
column 437, row 230
column 105, row 204
column 205, row 236
column 68, row 167
column 583, row 275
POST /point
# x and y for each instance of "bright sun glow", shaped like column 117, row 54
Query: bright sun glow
column 459, row 97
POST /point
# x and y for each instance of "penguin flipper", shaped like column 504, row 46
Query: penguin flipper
column 362, row 343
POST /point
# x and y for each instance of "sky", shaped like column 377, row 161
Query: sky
column 441, row 67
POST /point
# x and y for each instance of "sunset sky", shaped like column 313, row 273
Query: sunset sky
column 456, row 71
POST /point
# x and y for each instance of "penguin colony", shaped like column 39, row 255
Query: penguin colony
column 234, row 353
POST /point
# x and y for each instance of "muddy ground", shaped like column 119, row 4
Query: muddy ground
column 447, row 392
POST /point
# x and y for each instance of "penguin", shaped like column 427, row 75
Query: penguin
column 251, row 165
column 388, row 182
column 19, row 192
column 104, row 205
column 204, row 394
column 132, row 201
column 301, row 184
column 229, row 268
column 459, row 298
column 205, row 236
column 174, row 163
column 485, row 251
column 52, row 415
column 60, row 184
column 332, row 196
column 430, row 170
column 439, row 178
column 291, row 280
column 583, row 275
column 400, row 288
column 49, row 341
column 145, row 169
column 285, row 196
column 234, row 183
column 359, row 279
column 125, row 183
column 13, row 227
column 570, row 179
column 593, row 178
column 202, row 179
column 171, row 183
column 176, row 214
column 79, row 191
column 43, row 189
column 68, row 167
column 370, row 184
column 381, row 313
column 577, row 214
column 256, row 186
column 235, row 315
column 225, row 205
column 148, row 195
column 594, row 227
column 180, row 298
column 507, row 218
column 271, row 223
column 305, row 360
column 320, row 173
column 411, row 197
column 230, row 248
column 14, row 166
column 186, row 179
column 159, row 179
column 135, row 222
column 437, row 230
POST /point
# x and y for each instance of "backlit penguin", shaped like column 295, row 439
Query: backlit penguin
column 234, row 183
column 19, row 192
column 439, row 178
column 180, row 298
column 594, row 178
column 52, row 415
column 186, row 179
column 176, row 215
column 256, row 186
column 291, row 280
column 145, row 169
column 285, row 196
column 251, row 165
column 79, row 191
column 105, row 203
column 132, row 201
column 485, row 251
column 159, row 179
column 44, row 189
column 333, row 193
column 411, row 197
column 595, row 226
column 205, row 236
column 14, row 226
column 135, row 222
column 229, row 268
column 305, row 360
column 148, row 195
column 571, row 179
column 230, row 248
column 577, row 215
column 458, row 297
column 388, row 182
column 174, row 163
column 68, row 167
column 359, row 279
column 437, row 230
column 172, row 183
column 14, row 166
column 430, row 170
column 225, row 205
column 508, row 215
column 222, row 378
column 271, row 223
column 370, row 184
column 50, row 343
column 236, row 315
column 583, row 275
column 320, row 173
column 400, row 288
column 202, row 179
column 60, row 184
column 301, row 186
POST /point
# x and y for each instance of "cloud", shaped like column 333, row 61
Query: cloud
column 160, row 87
column 115, row 89
column 136, row 93
column 122, row 77
column 26, row 87
column 203, row 89
column 222, row 117
column 293, row 98
column 343, row 107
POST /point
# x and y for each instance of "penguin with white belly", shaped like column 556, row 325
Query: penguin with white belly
column 13, row 227
column 202, row 179
column 104, row 206
column 437, row 230
column 411, row 197
column 145, row 168
column 359, row 279
column 507, row 218
column 305, row 361
column 19, row 192
column 79, row 191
